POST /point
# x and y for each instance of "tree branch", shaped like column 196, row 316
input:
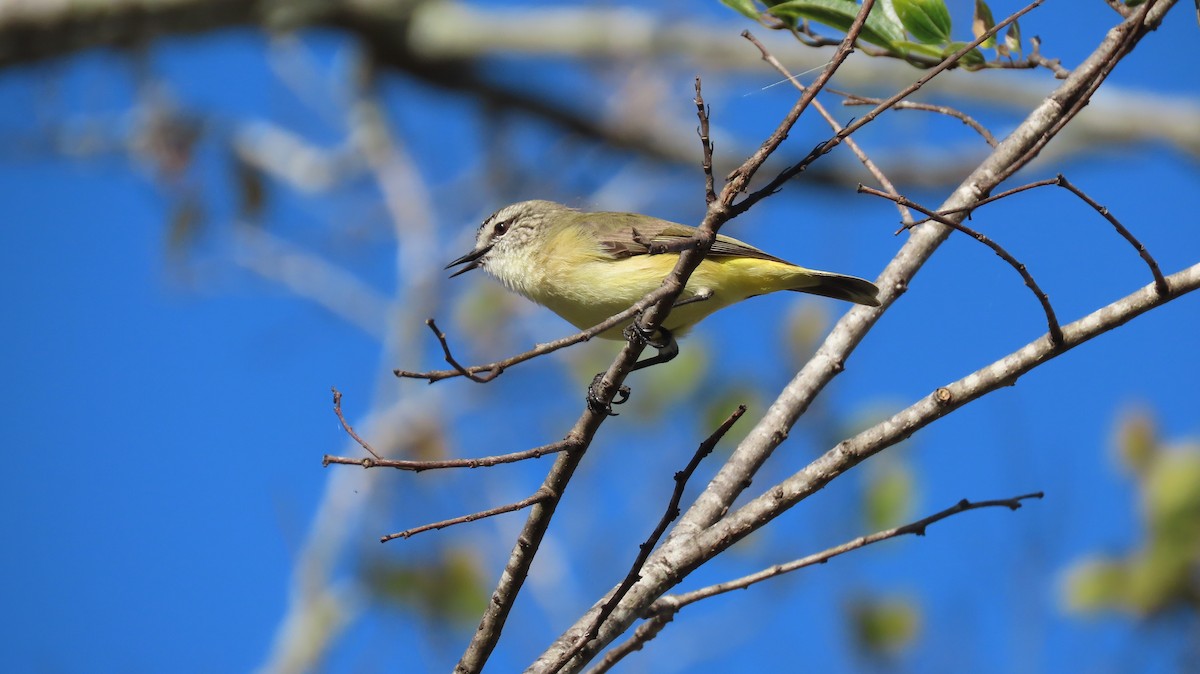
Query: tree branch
column 685, row 547
column 664, row 609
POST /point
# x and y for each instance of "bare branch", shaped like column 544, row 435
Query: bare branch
column 539, row 496
column 695, row 538
column 874, row 170
column 607, row 385
column 1069, row 101
column 740, row 178
column 337, row 409
column 672, row 512
column 419, row 466
column 1056, row 335
column 1003, row 372
column 1062, row 182
column 916, row 528
column 1159, row 282
column 855, row 99
column 664, row 609
column 1120, row 7
column 497, row 368
column 827, row 146
column 710, row 194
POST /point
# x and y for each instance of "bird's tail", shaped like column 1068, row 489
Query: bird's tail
column 839, row 287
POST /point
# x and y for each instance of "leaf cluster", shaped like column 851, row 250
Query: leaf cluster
column 918, row 31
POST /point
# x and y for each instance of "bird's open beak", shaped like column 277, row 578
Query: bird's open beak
column 471, row 259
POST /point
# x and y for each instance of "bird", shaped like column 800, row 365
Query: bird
column 588, row 266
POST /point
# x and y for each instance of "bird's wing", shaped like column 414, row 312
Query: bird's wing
column 624, row 235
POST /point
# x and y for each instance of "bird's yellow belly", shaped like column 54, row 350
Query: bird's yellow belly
column 588, row 293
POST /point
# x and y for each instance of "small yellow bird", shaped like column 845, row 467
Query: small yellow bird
column 586, row 267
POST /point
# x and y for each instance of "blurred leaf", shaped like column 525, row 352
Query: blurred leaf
column 885, row 627
column 1157, row 579
column 717, row 410
column 928, row 21
column 185, row 224
column 803, row 328
column 1094, row 585
column 1012, row 38
column 664, row 385
column 746, row 7
column 425, row 440
column 982, row 22
column 1171, row 498
column 1136, row 441
column 451, row 589
column 972, row 59
column 482, row 312
column 889, row 495
column 840, row 14
column 251, row 189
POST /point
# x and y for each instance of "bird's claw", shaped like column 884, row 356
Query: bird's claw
column 597, row 405
column 635, row 331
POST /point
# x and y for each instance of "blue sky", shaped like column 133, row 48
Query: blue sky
column 166, row 420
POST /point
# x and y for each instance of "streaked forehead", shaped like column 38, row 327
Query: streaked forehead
column 502, row 214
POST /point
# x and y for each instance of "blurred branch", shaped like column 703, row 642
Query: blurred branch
column 443, row 43
column 311, row 277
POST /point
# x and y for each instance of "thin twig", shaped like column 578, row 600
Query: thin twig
column 1060, row 180
column 827, row 146
column 916, row 528
column 663, row 610
column 706, row 146
column 500, row 366
column 641, row 636
column 337, row 409
column 1056, row 334
column 538, row 497
column 1129, row 32
column 441, row 338
column 739, row 179
column 995, row 197
column 606, row 387
column 1160, row 283
column 697, row 539
column 905, row 215
column 856, row 99
column 418, row 466
column 672, row 511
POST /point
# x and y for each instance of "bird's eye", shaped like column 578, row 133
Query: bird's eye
column 501, row 227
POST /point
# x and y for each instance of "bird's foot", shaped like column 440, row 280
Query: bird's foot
column 597, row 405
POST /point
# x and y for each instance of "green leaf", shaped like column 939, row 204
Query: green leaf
column 971, row 60
column 839, row 14
column 928, row 21
column 745, row 7
column 920, row 49
column 982, row 22
column 1012, row 38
